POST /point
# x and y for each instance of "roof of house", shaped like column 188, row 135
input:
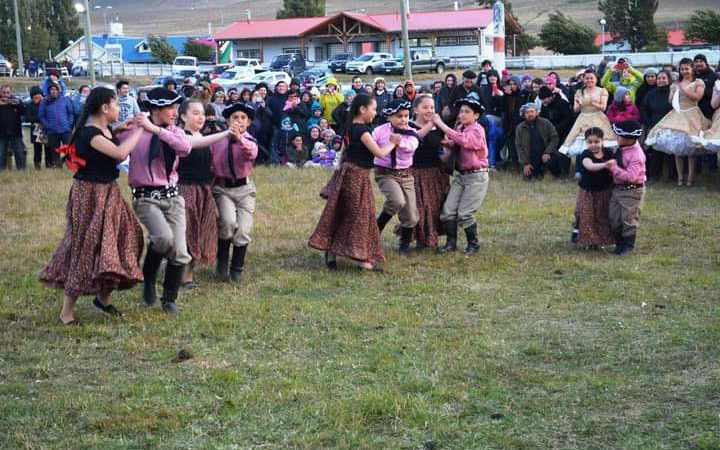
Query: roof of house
column 675, row 37
column 131, row 48
column 386, row 23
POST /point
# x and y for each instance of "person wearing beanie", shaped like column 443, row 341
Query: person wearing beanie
column 526, row 83
column 551, row 82
column 622, row 107
column 57, row 116
column 38, row 136
column 650, row 83
column 628, row 172
column 536, row 141
column 462, row 90
column 708, row 76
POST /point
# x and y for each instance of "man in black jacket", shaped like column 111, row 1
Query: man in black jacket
column 11, row 111
column 463, row 90
column 558, row 112
column 32, row 115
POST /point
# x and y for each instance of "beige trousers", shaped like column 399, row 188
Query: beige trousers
column 625, row 210
column 236, row 207
column 399, row 195
column 164, row 220
column 467, row 193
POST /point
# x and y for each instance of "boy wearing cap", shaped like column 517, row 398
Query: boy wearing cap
column 470, row 185
column 153, row 177
column 234, row 191
column 392, row 172
column 628, row 171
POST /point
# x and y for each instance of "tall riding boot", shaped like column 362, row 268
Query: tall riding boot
column 451, row 232
column 405, row 240
column 223, row 256
column 237, row 263
column 473, row 245
column 629, row 244
column 383, row 220
column 150, row 269
column 171, row 284
column 619, row 243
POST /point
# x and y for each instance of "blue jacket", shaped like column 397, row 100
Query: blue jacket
column 57, row 116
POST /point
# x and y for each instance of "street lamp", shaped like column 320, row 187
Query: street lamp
column 82, row 6
column 603, row 23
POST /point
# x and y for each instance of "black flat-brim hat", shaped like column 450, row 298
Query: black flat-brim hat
column 628, row 129
column 471, row 103
column 396, row 106
column 161, row 97
column 239, row 106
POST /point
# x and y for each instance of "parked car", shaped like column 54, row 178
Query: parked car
column 321, row 76
column 269, row 78
column 291, row 63
column 252, row 64
column 185, row 64
column 160, row 80
column 368, row 63
column 337, row 62
column 232, row 76
column 421, row 60
column 6, row 68
column 80, row 67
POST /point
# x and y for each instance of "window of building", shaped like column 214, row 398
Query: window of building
column 467, row 40
column 248, row 53
column 447, row 41
column 294, row 50
column 143, row 47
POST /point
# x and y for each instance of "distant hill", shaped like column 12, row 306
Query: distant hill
column 191, row 16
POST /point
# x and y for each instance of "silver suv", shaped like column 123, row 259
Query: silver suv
column 368, row 63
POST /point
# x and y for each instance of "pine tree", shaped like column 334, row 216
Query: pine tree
column 301, row 8
column 704, row 25
column 631, row 20
column 561, row 34
column 199, row 50
column 161, row 49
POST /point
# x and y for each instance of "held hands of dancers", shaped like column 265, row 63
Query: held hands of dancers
column 395, row 139
column 236, row 131
column 611, row 164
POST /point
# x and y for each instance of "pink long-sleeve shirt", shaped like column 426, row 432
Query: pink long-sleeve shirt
column 631, row 112
column 473, row 146
column 403, row 152
column 244, row 153
column 634, row 166
column 142, row 174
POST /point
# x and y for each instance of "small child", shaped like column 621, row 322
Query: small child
column 392, row 172
column 594, row 191
column 316, row 116
column 470, row 185
column 324, row 124
column 628, row 171
column 321, row 157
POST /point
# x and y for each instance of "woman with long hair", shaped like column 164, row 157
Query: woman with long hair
column 679, row 132
column 591, row 103
column 103, row 241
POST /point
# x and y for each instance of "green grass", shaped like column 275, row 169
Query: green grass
column 532, row 344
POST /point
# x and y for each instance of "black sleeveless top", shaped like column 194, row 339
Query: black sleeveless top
column 99, row 167
column 356, row 152
column 428, row 152
column 196, row 168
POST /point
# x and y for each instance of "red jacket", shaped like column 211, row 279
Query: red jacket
column 631, row 112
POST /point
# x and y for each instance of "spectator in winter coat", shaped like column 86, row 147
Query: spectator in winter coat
column 625, row 75
column 650, row 77
column 340, row 114
column 78, row 100
column 330, row 99
column 622, row 107
column 382, row 96
column 11, row 138
column 297, row 110
column 557, row 111
column 57, row 115
column 461, row 91
column 38, row 137
column 537, row 144
column 261, row 128
column 705, row 73
column 53, row 78
column 655, row 106
column 444, row 96
column 357, row 85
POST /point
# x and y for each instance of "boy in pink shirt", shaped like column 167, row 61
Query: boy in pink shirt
column 232, row 162
column 470, row 184
column 392, row 172
column 628, row 171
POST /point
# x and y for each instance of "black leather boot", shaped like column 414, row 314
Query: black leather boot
column 171, row 285
column 237, row 263
column 619, row 243
column 150, row 269
column 629, row 245
column 451, row 232
column 405, row 240
column 473, row 245
column 223, row 256
column 383, row 220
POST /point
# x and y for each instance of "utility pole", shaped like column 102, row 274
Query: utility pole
column 88, row 43
column 18, row 39
column 405, row 39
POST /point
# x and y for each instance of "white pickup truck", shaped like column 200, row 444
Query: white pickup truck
column 186, row 66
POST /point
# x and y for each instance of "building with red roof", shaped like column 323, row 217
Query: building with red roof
column 453, row 33
column 676, row 42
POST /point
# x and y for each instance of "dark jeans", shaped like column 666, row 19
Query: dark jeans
column 16, row 146
column 38, row 150
column 656, row 162
column 52, row 158
column 558, row 165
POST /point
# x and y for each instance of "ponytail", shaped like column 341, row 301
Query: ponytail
column 98, row 97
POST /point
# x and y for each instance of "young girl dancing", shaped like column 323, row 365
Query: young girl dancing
column 153, row 177
column 470, row 185
column 347, row 226
column 103, row 240
column 593, row 195
column 392, row 172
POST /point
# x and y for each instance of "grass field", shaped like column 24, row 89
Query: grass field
column 532, row 344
